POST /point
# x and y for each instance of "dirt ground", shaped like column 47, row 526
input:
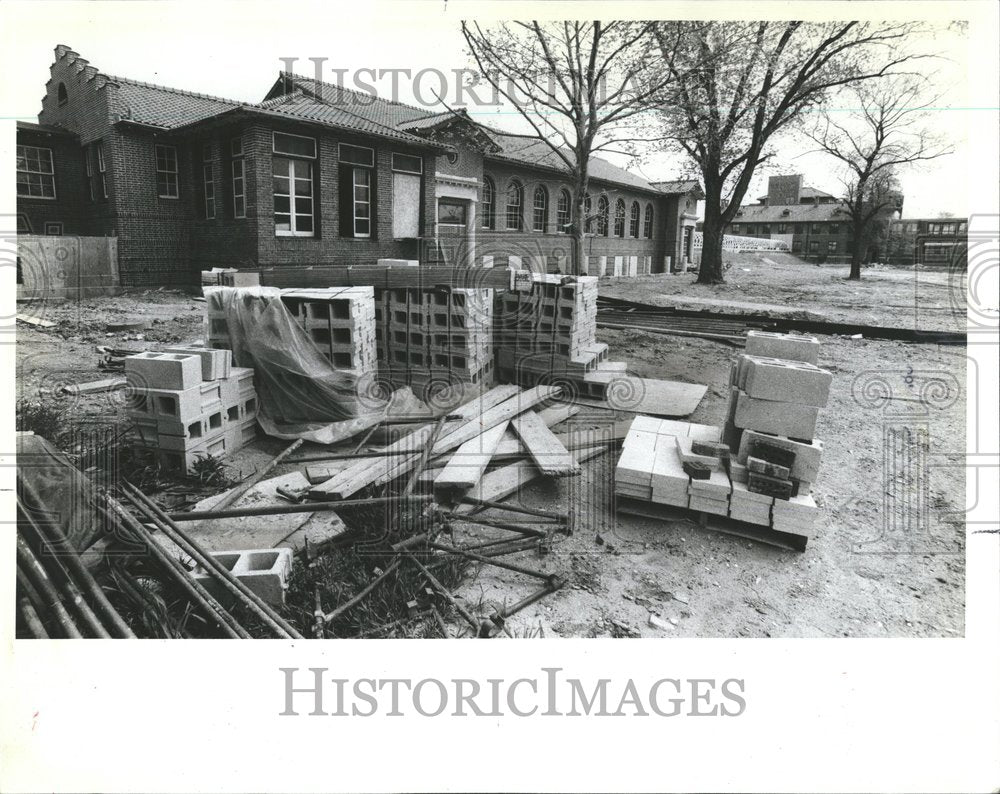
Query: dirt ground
column 888, row 557
column 782, row 285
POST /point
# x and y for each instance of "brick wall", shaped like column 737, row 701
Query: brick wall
column 501, row 243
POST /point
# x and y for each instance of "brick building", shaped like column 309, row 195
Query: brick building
column 315, row 174
column 814, row 224
column 928, row 241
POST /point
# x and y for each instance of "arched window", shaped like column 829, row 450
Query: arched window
column 633, row 221
column 540, row 209
column 588, row 206
column 563, row 215
column 489, row 203
column 63, row 96
column 515, row 202
column 619, row 218
column 647, row 230
column 602, row 216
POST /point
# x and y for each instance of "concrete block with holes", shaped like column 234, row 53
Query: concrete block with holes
column 215, row 364
column 264, row 571
column 161, row 370
column 790, row 419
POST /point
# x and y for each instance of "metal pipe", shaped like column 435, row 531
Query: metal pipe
column 278, row 510
column 490, row 561
column 211, row 565
column 489, row 522
column 71, row 593
column 444, row 591
column 194, row 589
column 529, row 511
column 357, row 599
column 31, row 571
column 31, row 619
column 70, row 559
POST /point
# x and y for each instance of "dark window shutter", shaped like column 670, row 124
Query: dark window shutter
column 346, row 197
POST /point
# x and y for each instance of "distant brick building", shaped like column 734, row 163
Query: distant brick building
column 814, row 224
column 314, row 174
column 928, row 241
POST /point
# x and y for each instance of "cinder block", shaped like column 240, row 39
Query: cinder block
column 157, row 370
column 185, row 405
column 264, row 571
column 793, row 420
column 791, row 347
column 183, row 461
column 239, row 385
column 215, row 364
column 784, row 381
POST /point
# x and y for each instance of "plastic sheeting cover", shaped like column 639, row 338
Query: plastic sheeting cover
column 300, row 394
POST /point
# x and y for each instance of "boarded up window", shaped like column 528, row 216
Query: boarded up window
column 405, row 205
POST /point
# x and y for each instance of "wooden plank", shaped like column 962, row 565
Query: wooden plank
column 503, row 412
column 470, row 460
column 548, row 453
column 497, row 485
column 36, row 321
column 386, row 468
column 94, row 386
column 554, row 414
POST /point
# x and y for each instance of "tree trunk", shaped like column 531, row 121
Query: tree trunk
column 856, row 249
column 579, row 260
column 710, row 269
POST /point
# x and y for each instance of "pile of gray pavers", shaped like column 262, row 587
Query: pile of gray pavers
column 187, row 403
column 547, row 334
column 760, row 466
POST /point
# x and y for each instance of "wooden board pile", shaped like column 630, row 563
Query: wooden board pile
column 457, row 450
column 760, row 466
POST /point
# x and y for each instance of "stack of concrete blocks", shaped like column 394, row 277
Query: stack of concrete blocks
column 547, row 333
column 651, row 466
column 340, row 321
column 776, row 393
column 187, row 403
column 433, row 338
column 216, row 323
column 264, row 571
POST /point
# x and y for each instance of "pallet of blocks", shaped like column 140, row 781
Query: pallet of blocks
column 187, row 403
column 340, row 321
column 757, row 471
column 546, row 332
column 434, row 338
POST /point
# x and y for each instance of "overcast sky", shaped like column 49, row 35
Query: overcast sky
column 235, row 49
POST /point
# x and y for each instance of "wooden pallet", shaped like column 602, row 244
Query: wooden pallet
column 729, row 526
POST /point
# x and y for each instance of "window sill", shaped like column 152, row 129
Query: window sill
column 36, row 198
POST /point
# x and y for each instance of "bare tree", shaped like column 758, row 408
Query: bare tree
column 885, row 132
column 738, row 84
column 577, row 84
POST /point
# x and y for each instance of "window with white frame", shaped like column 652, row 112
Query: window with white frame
column 647, row 230
column 166, row 172
column 102, row 170
column 36, row 175
column 620, row 218
column 540, row 209
column 208, row 180
column 88, row 167
column 603, row 210
column 515, row 202
column 633, row 226
column 489, row 203
column 292, row 169
column 407, row 163
column 239, row 178
column 563, row 212
column 357, row 164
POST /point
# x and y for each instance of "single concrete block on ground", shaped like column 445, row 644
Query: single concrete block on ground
column 791, row 347
column 264, row 571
